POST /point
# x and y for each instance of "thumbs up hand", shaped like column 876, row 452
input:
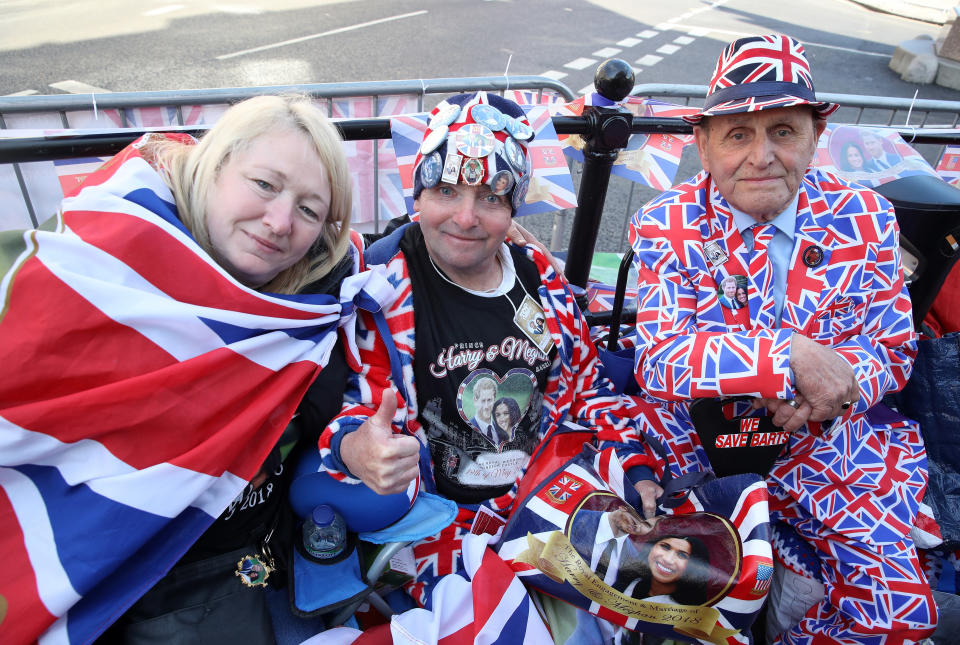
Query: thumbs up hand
column 383, row 460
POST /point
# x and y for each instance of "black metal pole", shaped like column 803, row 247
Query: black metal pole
column 609, row 132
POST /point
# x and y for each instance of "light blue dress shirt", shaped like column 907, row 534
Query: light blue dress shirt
column 780, row 249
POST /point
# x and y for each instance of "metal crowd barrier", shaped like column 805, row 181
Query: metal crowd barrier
column 198, row 107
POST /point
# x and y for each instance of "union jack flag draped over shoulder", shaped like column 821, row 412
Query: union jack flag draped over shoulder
column 145, row 386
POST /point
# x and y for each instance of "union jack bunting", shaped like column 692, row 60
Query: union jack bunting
column 98, row 497
column 869, row 156
column 649, row 159
column 949, row 165
column 389, row 201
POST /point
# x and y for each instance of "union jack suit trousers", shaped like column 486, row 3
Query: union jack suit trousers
column 852, row 493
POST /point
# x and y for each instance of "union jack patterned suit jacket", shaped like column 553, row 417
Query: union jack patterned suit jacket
column 574, row 391
column 866, row 478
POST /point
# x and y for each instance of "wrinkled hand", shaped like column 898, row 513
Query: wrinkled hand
column 520, row 236
column 649, row 492
column 823, row 378
column 383, row 460
column 784, row 414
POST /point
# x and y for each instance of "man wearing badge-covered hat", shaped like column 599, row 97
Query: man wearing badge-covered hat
column 826, row 333
column 462, row 320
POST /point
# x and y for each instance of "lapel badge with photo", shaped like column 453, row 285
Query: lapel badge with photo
column 532, row 322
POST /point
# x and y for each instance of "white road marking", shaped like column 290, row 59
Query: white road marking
column 238, row 10
column 702, row 31
column 580, row 63
column 649, row 60
column 159, row 11
column 668, row 49
column 607, row 52
column 24, row 93
column 555, row 75
column 629, row 42
column 321, row 35
column 589, row 89
column 76, row 87
column 683, row 40
column 647, row 33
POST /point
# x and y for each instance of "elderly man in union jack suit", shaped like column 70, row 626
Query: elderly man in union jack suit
column 827, row 332
column 470, row 311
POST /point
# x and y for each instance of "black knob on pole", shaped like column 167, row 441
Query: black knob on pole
column 614, row 79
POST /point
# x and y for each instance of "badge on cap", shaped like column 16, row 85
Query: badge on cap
column 519, row 129
column 520, row 193
column 812, row 256
column 430, row 169
column 501, row 183
column 451, row 169
column 433, row 140
column 714, row 253
column 515, row 154
column 472, row 172
column 489, row 116
column 475, row 140
column 447, row 115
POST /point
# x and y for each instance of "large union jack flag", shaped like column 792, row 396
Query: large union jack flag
column 149, row 387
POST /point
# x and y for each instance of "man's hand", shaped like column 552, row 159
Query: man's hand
column 787, row 416
column 823, row 378
column 384, row 461
column 520, row 236
column 649, row 492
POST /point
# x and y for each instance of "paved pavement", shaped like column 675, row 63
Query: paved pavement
column 935, row 11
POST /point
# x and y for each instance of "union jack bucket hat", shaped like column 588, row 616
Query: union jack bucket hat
column 761, row 73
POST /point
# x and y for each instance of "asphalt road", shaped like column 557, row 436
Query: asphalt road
column 130, row 45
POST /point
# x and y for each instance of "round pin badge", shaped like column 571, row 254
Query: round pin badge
column 430, row 169
column 475, row 140
column 489, row 116
column 519, row 129
column 812, row 256
column 501, row 183
column 515, row 154
column 447, row 115
column 520, row 193
column 472, row 172
column 433, row 140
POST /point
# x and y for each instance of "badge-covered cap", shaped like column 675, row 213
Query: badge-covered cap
column 475, row 138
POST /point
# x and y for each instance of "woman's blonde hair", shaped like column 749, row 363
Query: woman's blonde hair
column 192, row 170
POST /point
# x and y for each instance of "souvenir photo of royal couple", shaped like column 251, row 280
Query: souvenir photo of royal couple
column 861, row 150
column 494, row 407
column 733, row 292
column 689, row 559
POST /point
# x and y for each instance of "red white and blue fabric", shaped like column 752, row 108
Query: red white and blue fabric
column 486, row 604
column 649, row 159
column 759, row 73
column 361, row 156
column 854, row 301
column 949, row 165
column 146, row 388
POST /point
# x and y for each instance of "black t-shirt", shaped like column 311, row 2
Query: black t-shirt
column 480, row 371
